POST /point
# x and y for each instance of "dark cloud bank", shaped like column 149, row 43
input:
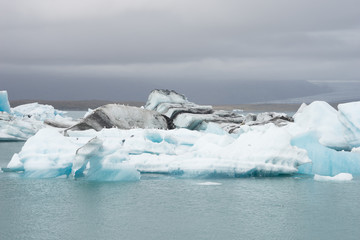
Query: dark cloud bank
column 216, row 52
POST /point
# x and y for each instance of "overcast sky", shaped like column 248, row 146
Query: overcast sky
column 68, row 48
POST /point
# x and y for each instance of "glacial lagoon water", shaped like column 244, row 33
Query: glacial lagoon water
column 170, row 207
column 167, row 207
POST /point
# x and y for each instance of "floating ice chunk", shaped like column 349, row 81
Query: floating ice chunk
column 107, row 162
column 238, row 111
column 25, row 120
column 36, row 111
column 349, row 115
column 356, row 150
column 209, row 184
column 321, row 118
column 341, row 177
column 14, row 129
column 157, row 97
column 326, row 161
column 47, row 154
column 4, row 102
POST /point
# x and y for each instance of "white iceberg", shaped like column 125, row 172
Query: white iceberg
column 356, row 150
column 328, row 136
column 36, row 111
column 209, row 184
column 17, row 129
column 47, row 154
column 114, row 154
column 349, row 115
column 341, row 177
column 24, row 121
column 322, row 119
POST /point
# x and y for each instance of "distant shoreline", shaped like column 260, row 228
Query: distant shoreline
column 84, row 105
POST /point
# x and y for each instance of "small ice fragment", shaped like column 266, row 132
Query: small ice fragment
column 209, row 184
column 339, row 177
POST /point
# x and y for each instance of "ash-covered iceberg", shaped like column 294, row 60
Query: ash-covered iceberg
column 123, row 117
column 186, row 114
column 4, row 102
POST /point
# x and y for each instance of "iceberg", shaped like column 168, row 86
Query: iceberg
column 40, row 158
column 24, row 121
column 341, row 177
column 4, row 102
column 36, row 111
column 15, row 129
column 324, row 160
column 349, row 116
column 186, row 114
column 322, row 119
column 103, row 162
column 209, row 184
column 123, row 117
column 116, row 154
column 172, row 135
column 328, row 136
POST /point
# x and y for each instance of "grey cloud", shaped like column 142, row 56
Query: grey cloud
column 169, row 41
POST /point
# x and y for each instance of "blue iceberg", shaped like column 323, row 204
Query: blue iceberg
column 4, row 102
column 325, row 161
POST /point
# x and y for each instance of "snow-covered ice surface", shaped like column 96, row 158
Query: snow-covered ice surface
column 341, row 177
